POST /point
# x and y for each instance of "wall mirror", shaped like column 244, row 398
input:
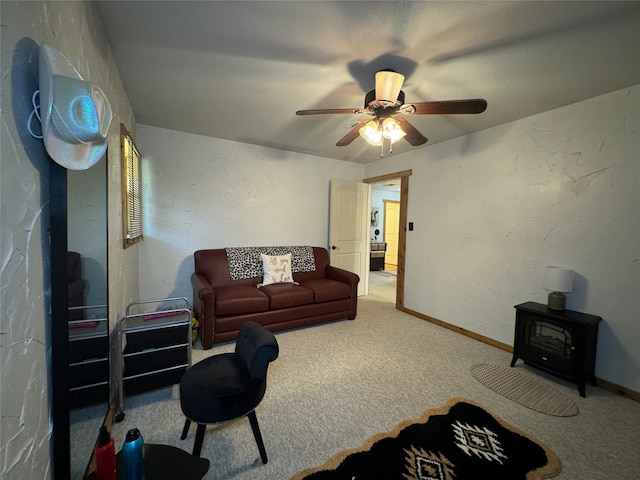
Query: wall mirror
column 80, row 326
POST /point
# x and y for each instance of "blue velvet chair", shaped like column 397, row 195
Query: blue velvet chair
column 228, row 386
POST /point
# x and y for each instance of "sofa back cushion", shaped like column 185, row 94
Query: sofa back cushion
column 214, row 265
column 322, row 260
column 74, row 266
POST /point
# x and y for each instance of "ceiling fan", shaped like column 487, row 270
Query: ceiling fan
column 386, row 105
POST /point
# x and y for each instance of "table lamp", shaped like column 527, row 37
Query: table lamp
column 558, row 280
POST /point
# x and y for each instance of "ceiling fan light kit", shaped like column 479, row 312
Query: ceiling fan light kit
column 386, row 105
column 376, row 131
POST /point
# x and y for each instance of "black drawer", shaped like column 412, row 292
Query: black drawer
column 155, row 359
column 83, row 396
column 151, row 381
column 88, row 372
column 88, row 348
column 155, row 338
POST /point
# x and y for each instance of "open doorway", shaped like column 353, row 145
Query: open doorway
column 383, row 270
column 389, row 198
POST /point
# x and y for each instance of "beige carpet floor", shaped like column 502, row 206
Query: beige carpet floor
column 334, row 385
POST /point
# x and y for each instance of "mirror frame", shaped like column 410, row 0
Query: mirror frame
column 58, row 329
column 59, row 353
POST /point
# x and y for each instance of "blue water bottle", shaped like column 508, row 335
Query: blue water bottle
column 133, row 456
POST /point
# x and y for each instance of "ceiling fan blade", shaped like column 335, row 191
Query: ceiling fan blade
column 331, row 111
column 445, row 107
column 352, row 135
column 413, row 136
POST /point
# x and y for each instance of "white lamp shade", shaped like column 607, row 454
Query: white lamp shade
column 558, row 279
column 388, row 85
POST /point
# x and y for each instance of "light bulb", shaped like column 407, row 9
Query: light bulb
column 372, row 133
column 391, row 130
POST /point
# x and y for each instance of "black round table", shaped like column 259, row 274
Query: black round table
column 166, row 461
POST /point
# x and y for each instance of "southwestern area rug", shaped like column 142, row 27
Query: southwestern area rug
column 459, row 441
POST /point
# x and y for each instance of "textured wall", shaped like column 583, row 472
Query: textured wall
column 493, row 209
column 72, row 28
column 202, row 192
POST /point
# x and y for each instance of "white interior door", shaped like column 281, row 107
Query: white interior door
column 350, row 203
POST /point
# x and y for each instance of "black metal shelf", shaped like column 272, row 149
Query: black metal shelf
column 154, row 347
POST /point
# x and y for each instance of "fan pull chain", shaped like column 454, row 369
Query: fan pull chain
column 382, row 148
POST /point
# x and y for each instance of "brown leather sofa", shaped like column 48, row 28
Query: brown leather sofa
column 222, row 305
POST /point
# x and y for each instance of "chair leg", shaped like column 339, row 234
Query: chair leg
column 256, row 433
column 185, row 430
column 197, row 445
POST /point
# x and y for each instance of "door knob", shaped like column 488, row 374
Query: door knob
column 333, row 247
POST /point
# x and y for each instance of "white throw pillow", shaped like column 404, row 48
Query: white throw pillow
column 276, row 269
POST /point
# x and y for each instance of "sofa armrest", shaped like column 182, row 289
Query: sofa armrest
column 351, row 279
column 203, row 307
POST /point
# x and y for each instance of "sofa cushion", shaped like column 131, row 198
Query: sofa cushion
column 74, row 266
column 276, row 269
column 76, row 289
column 240, row 299
column 285, row 295
column 326, row 290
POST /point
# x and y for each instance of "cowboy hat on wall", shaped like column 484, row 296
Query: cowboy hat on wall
column 75, row 114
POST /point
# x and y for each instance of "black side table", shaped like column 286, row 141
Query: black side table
column 559, row 342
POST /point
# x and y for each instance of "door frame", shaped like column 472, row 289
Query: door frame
column 402, row 233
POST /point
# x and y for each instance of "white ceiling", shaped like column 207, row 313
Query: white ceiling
column 239, row 70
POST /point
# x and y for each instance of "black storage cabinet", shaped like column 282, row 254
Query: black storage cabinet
column 562, row 343
column 155, row 347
